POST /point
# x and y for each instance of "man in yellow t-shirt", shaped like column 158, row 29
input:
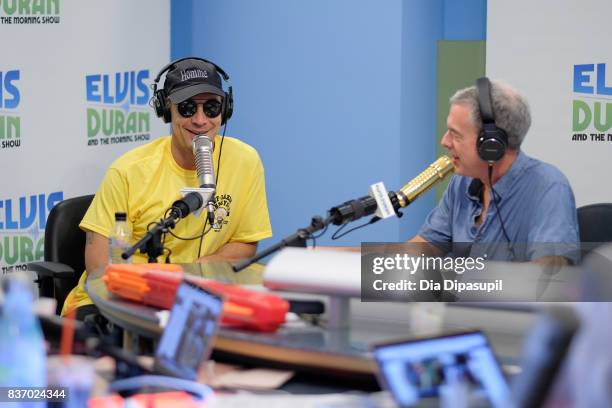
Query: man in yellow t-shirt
column 145, row 181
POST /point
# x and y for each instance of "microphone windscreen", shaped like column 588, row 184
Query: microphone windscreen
column 190, row 203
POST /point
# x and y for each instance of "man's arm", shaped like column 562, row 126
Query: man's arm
column 232, row 251
column 553, row 260
column 553, row 234
column 96, row 251
column 416, row 245
column 420, row 246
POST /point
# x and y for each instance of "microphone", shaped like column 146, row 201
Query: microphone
column 192, row 202
column 195, row 198
column 432, row 175
column 354, row 209
column 367, row 205
column 202, row 151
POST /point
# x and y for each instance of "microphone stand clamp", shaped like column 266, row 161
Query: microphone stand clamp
column 207, row 194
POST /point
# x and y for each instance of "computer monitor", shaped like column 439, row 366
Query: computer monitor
column 414, row 369
column 186, row 341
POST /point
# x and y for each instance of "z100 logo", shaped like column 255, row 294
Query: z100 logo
column 22, row 224
column 592, row 106
column 10, row 122
column 118, row 109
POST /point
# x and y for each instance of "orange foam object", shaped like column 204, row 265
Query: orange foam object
column 156, row 284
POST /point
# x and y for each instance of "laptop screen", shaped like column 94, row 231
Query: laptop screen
column 186, row 341
column 416, row 369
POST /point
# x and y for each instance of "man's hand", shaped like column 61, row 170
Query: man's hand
column 553, row 261
column 417, row 245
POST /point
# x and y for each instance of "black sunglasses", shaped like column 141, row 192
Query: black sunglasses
column 212, row 108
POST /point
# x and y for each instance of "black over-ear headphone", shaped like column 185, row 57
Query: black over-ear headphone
column 492, row 141
column 162, row 110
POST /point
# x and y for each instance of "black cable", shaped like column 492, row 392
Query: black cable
column 501, row 221
column 314, row 237
column 179, row 237
column 169, row 253
column 219, row 158
column 192, row 238
column 164, row 247
column 336, row 236
column 321, row 233
column 340, row 228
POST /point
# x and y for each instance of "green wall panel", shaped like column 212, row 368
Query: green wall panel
column 460, row 63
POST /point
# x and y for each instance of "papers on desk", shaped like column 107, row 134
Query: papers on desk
column 254, row 379
column 312, row 271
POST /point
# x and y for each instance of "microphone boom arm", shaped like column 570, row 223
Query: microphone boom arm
column 151, row 243
column 355, row 209
column 298, row 239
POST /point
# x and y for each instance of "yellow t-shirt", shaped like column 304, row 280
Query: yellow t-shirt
column 145, row 182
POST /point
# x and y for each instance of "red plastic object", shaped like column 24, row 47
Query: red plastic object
column 156, row 284
column 171, row 399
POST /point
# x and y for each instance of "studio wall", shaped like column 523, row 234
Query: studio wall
column 335, row 95
column 74, row 92
column 560, row 58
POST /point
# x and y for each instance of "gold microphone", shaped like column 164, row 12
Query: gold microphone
column 433, row 174
column 363, row 206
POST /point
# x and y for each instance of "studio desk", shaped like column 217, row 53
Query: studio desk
column 301, row 345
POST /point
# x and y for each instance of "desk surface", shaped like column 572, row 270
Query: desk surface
column 300, row 345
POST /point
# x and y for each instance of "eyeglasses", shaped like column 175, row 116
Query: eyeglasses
column 212, row 108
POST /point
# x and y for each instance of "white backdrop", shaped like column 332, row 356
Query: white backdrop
column 52, row 51
column 538, row 46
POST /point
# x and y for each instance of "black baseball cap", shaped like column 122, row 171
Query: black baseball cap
column 191, row 77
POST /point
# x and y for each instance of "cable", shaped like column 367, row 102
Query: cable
column 169, row 252
column 336, row 236
column 495, row 199
column 340, row 228
column 167, row 260
column 314, row 237
column 183, row 238
column 191, row 238
column 220, row 151
column 200, row 391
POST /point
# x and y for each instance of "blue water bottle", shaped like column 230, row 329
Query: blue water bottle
column 22, row 347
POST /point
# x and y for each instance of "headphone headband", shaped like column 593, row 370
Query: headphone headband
column 484, row 99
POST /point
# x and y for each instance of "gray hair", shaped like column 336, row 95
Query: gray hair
column 510, row 109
